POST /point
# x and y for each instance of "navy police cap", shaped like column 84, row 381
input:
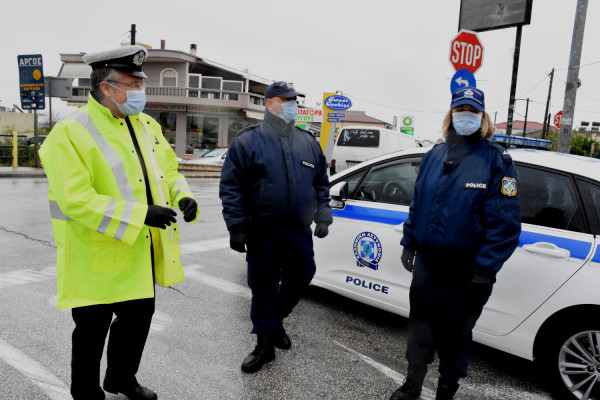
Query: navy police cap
column 468, row 95
column 281, row 89
column 127, row 59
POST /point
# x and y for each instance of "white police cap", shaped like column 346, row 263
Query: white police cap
column 127, row 59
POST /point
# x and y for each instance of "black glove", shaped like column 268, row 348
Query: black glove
column 237, row 241
column 480, row 289
column 408, row 259
column 159, row 217
column 188, row 207
column 321, row 230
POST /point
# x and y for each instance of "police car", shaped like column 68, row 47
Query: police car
column 546, row 302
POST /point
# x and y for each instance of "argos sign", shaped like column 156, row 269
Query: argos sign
column 338, row 102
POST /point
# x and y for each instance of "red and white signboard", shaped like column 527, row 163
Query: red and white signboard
column 466, row 51
column 309, row 115
column 558, row 119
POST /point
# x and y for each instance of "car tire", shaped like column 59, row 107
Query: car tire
column 571, row 361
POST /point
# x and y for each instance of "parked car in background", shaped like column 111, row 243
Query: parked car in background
column 545, row 305
column 356, row 144
column 31, row 141
column 212, row 157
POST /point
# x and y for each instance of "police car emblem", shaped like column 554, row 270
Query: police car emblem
column 367, row 250
column 509, row 186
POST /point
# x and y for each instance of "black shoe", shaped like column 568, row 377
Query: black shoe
column 446, row 389
column 411, row 388
column 263, row 353
column 138, row 392
column 281, row 340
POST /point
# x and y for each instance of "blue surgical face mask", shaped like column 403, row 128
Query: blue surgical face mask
column 466, row 122
column 136, row 100
column 290, row 110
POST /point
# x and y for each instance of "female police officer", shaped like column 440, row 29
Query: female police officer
column 464, row 223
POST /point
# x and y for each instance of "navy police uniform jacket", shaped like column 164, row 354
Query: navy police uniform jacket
column 274, row 177
column 465, row 204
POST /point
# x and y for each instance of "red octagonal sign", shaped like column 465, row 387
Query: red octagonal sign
column 466, row 51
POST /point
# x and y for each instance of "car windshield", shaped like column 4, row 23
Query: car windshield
column 214, row 153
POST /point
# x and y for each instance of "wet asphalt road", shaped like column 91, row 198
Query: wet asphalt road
column 201, row 330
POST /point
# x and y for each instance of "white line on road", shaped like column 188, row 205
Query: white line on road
column 486, row 390
column 191, row 271
column 205, row 245
column 48, row 383
column 16, row 278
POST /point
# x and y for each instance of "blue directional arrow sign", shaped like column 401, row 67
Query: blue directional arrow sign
column 462, row 78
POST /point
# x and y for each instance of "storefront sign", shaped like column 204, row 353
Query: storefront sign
column 164, row 107
column 310, row 115
column 213, row 110
column 338, row 103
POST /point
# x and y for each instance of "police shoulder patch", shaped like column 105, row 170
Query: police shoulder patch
column 509, row 186
column 503, row 152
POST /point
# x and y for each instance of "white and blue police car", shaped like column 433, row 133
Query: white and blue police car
column 546, row 302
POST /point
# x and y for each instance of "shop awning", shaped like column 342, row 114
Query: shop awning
column 255, row 114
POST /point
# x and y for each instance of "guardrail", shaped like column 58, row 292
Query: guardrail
column 15, row 151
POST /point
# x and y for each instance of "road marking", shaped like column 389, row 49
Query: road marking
column 16, row 278
column 38, row 375
column 205, row 245
column 160, row 321
column 486, row 390
column 390, row 373
column 191, row 271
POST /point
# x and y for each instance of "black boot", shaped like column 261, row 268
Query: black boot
column 446, row 389
column 411, row 388
column 138, row 392
column 281, row 340
column 263, row 353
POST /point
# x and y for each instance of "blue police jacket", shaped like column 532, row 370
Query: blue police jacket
column 274, row 177
column 465, row 204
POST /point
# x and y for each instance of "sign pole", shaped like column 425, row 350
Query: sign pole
column 513, row 85
column 35, row 138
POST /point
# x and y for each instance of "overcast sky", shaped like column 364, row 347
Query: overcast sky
column 389, row 57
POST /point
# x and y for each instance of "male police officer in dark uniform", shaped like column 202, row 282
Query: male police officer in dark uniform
column 273, row 186
column 464, row 223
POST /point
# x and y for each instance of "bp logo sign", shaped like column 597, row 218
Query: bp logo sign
column 407, row 121
column 367, row 250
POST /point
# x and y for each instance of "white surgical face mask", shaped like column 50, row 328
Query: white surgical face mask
column 466, row 122
column 290, row 110
column 136, row 101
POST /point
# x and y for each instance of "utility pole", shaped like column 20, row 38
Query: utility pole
column 564, row 137
column 525, row 124
column 545, row 129
column 513, row 85
column 132, row 34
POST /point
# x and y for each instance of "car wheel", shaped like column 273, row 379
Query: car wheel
column 573, row 362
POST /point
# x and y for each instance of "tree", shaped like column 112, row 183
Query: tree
column 581, row 144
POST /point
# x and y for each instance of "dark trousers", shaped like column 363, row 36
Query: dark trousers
column 280, row 267
column 128, row 333
column 443, row 313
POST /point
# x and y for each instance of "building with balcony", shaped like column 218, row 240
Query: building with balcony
column 199, row 103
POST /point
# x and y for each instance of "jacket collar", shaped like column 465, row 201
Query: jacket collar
column 280, row 125
column 459, row 146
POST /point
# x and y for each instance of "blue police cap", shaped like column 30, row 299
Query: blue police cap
column 468, row 95
column 281, row 89
column 127, row 59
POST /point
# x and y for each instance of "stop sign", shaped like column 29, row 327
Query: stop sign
column 466, row 51
column 558, row 119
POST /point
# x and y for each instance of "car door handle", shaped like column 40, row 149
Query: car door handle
column 548, row 249
column 399, row 228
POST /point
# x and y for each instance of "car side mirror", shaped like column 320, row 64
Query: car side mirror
column 339, row 194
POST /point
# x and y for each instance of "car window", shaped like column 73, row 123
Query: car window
column 391, row 183
column 353, row 180
column 548, row 199
column 591, row 200
column 359, row 138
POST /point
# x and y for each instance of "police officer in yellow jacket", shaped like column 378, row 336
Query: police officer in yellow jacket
column 113, row 185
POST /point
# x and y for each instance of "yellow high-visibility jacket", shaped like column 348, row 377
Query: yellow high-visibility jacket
column 98, row 206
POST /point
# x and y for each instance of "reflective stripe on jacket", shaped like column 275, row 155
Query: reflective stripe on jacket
column 98, row 206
